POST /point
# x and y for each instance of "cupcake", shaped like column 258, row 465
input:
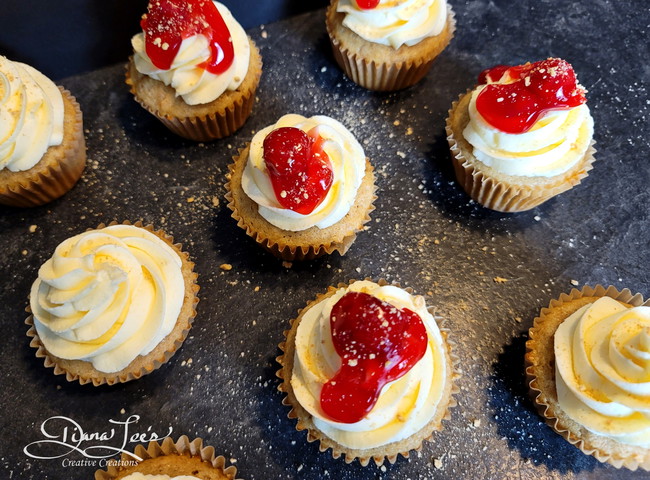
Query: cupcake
column 387, row 45
column 522, row 136
column 42, row 145
column 302, row 188
column 169, row 460
column 112, row 304
column 194, row 68
column 367, row 372
column 588, row 365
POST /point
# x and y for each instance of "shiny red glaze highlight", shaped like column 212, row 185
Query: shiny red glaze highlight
column 169, row 22
column 367, row 4
column 300, row 170
column 537, row 88
column 378, row 343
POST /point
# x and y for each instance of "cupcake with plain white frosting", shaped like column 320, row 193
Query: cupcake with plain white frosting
column 169, row 460
column 42, row 145
column 367, row 371
column 194, row 68
column 522, row 136
column 386, row 45
column 588, row 365
column 302, row 188
column 112, row 304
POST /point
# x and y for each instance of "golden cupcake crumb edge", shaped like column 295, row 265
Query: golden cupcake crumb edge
column 183, row 451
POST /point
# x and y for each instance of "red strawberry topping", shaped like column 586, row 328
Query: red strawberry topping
column 300, row 170
column 367, row 4
column 537, row 88
column 377, row 343
column 169, row 22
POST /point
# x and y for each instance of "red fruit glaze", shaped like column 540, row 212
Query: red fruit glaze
column 300, row 170
column 367, row 4
column 377, row 343
column 169, row 22
column 537, row 88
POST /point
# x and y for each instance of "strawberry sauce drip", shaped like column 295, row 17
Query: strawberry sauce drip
column 536, row 88
column 377, row 343
column 367, row 4
column 169, row 22
column 300, row 170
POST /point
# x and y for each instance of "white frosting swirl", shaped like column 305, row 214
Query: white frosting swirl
column 348, row 162
column 404, row 406
column 395, row 22
column 193, row 83
column 602, row 362
column 142, row 476
column 555, row 143
column 107, row 296
column 31, row 115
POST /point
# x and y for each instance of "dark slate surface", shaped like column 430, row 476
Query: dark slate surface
column 425, row 233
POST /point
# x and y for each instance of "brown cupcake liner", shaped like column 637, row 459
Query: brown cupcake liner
column 218, row 124
column 141, row 365
column 43, row 184
column 540, row 358
column 385, row 76
column 379, row 454
column 281, row 243
column 183, row 447
column 499, row 195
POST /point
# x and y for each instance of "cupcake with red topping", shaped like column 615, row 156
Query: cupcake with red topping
column 387, row 45
column 522, row 136
column 42, row 145
column 302, row 188
column 112, row 304
column 194, row 68
column 588, row 366
column 367, row 371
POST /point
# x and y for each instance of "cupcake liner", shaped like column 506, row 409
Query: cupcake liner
column 500, row 195
column 386, row 75
column 295, row 246
column 540, row 373
column 59, row 169
column 218, row 124
column 83, row 371
column 194, row 453
column 379, row 454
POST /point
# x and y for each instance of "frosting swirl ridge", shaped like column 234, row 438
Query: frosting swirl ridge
column 31, row 115
column 602, row 354
column 108, row 295
column 395, row 23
